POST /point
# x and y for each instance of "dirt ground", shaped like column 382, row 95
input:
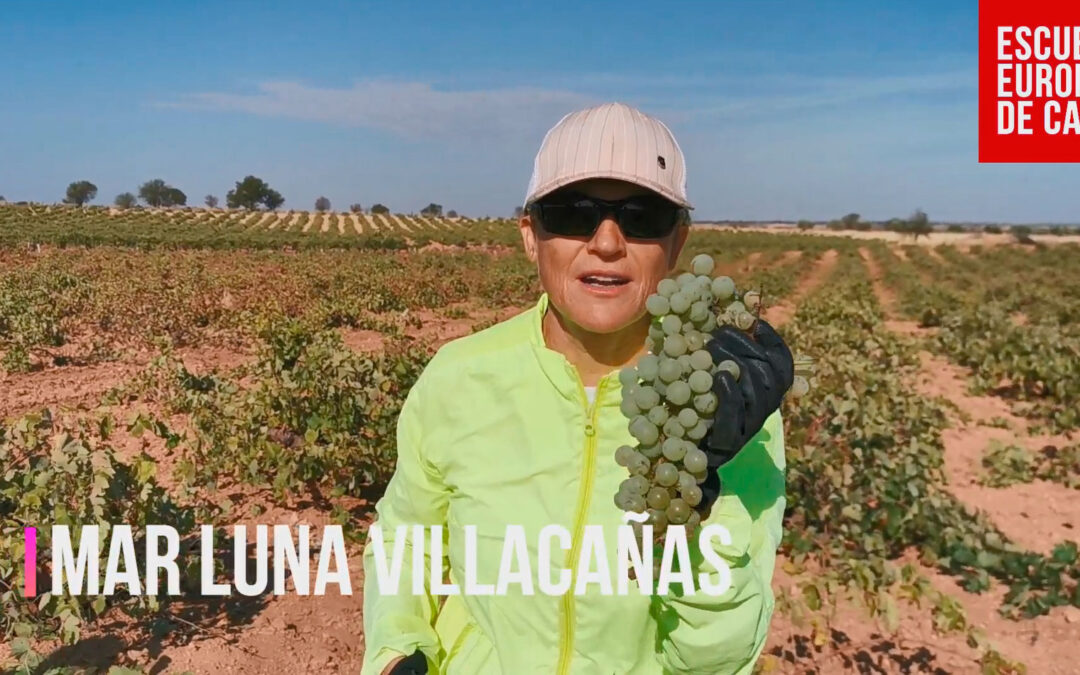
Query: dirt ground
column 324, row 634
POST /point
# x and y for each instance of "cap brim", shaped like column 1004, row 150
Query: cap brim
column 551, row 186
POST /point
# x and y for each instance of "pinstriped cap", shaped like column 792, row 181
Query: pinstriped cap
column 611, row 140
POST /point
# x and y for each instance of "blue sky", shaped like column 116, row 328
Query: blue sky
column 783, row 109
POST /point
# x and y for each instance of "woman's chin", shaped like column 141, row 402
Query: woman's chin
column 602, row 320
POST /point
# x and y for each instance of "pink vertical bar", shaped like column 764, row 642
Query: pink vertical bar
column 30, row 562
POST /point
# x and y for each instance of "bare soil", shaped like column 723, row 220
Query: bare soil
column 783, row 311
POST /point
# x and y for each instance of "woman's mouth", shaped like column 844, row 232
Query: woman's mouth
column 604, row 283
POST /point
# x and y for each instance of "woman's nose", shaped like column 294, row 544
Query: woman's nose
column 608, row 239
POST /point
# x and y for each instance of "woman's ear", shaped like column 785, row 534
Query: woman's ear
column 528, row 236
column 681, row 233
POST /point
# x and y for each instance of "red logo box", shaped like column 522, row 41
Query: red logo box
column 1029, row 77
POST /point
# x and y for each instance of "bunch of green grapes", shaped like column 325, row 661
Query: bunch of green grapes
column 668, row 395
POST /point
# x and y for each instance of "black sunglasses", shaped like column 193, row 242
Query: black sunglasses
column 578, row 215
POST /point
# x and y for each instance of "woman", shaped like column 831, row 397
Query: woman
column 518, row 424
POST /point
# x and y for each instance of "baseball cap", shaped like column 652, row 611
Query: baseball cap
column 612, row 140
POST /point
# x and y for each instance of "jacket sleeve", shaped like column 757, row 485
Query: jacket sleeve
column 701, row 633
column 399, row 624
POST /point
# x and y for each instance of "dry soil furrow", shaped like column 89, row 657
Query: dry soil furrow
column 887, row 298
column 781, row 313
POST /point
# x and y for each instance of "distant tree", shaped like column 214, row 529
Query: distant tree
column 896, row 225
column 159, row 193
column 519, row 211
column 992, row 229
column 211, row 201
column 835, row 225
column 954, row 228
column 125, row 200
column 1022, row 234
column 322, row 204
column 805, row 225
column 919, row 224
column 356, row 208
column 252, row 192
column 2, row 198
column 80, row 193
column 451, row 213
column 379, row 208
column 850, row 221
column 432, row 209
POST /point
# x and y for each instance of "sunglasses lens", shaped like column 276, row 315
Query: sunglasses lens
column 647, row 220
column 577, row 219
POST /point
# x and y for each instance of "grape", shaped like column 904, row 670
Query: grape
column 672, row 428
column 660, row 387
column 639, row 465
column 723, row 288
column 646, row 397
column 635, row 503
column 700, row 430
column 623, row 455
column 658, row 498
column 657, row 305
column 628, row 376
column 692, row 495
column 670, row 324
column 695, row 340
column 800, row 386
column 686, row 480
column 680, row 302
column 650, row 451
column 693, row 521
column 704, row 403
column 673, row 449
column 638, row 485
column 685, row 279
column 628, row 407
column 684, row 364
column 678, row 512
column 647, row 367
column 744, row 320
column 667, row 287
column 700, row 360
column 702, row 264
column 675, row 345
column 678, row 392
column 695, row 461
column 700, row 382
column 622, row 501
column 734, row 308
column 658, row 414
column 729, row 366
column 666, row 474
column 656, row 332
column 752, row 299
column 688, row 418
column 709, row 325
column 669, row 370
column 658, row 519
column 698, row 311
column 644, row 430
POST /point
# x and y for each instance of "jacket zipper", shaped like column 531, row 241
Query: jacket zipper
column 588, row 472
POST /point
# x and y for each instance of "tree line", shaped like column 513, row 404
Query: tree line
column 251, row 193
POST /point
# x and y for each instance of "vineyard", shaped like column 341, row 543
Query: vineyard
column 199, row 366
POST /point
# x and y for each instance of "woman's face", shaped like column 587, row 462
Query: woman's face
column 600, row 283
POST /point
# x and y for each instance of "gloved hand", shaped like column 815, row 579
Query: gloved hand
column 416, row 664
column 766, row 371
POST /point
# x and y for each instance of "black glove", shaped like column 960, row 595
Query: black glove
column 766, row 371
column 413, row 665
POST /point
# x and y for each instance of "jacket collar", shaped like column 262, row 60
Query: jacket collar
column 559, row 371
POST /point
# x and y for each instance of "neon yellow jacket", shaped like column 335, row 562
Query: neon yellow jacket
column 498, row 430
